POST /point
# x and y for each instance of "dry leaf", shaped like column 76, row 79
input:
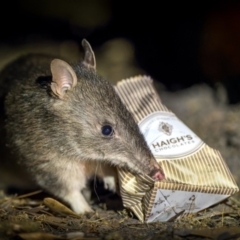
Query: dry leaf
column 58, row 207
column 39, row 236
column 218, row 233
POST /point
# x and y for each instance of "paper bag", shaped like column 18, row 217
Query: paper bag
column 196, row 175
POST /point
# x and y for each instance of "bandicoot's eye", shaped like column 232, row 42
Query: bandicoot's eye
column 107, row 130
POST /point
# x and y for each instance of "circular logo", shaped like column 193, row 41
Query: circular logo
column 167, row 136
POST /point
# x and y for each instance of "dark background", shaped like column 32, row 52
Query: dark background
column 177, row 43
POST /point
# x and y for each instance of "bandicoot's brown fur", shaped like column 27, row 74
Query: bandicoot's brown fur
column 63, row 122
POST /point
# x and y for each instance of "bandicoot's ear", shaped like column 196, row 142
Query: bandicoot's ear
column 89, row 57
column 63, row 77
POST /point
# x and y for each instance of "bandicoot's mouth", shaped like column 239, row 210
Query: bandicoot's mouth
column 157, row 174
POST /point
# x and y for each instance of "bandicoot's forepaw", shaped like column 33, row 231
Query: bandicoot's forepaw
column 109, row 183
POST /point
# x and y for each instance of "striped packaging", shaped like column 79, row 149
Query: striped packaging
column 196, row 175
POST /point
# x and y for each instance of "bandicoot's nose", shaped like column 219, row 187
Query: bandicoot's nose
column 157, row 172
column 157, row 175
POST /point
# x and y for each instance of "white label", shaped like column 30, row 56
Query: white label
column 169, row 203
column 167, row 136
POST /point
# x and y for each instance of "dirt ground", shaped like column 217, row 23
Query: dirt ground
column 38, row 216
column 32, row 217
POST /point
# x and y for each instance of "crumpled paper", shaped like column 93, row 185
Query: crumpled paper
column 196, row 175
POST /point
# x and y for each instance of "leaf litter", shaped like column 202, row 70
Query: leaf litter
column 24, row 217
